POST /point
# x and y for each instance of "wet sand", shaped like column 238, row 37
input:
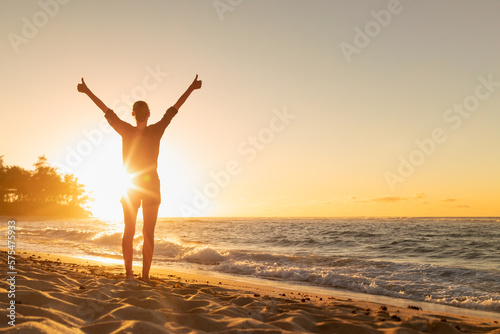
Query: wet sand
column 56, row 294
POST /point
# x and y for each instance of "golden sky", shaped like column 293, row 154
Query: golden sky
column 308, row 108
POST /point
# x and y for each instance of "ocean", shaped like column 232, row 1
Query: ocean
column 448, row 261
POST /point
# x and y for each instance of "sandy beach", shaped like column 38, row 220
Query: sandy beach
column 55, row 294
column 233, row 166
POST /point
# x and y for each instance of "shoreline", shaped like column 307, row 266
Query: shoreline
column 54, row 288
column 257, row 282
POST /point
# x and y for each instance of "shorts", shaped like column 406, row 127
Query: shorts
column 147, row 192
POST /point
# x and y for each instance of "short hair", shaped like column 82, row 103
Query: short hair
column 141, row 110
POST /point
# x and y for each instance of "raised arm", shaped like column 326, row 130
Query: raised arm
column 82, row 88
column 196, row 84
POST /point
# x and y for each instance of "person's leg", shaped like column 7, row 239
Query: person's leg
column 150, row 214
column 130, row 217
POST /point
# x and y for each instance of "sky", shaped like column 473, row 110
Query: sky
column 308, row 108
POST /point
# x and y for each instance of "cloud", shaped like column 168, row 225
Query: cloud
column 450, row 203
column 419, row 195
column 389, row 198
column 384, row 199
column 323, row 201
column 449, row 200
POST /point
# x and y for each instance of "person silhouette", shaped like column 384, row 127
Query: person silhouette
column 140, row 150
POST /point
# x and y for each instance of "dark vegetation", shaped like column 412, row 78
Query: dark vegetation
column 42, row 191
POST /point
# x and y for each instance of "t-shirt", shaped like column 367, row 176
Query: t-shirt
column 140, row 147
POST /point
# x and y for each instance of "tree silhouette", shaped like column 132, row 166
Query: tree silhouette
column 41, row 192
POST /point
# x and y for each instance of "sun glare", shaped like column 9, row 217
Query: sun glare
column 109, row 191
column 124, row 182
column 106, row 180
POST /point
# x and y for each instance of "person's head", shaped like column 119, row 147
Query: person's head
column 140, row 111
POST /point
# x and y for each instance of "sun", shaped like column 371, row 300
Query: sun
column 107, row 189
column 106, row 180
column 123, row 182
